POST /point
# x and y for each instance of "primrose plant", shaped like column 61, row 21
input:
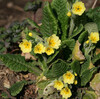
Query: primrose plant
column 63, row 52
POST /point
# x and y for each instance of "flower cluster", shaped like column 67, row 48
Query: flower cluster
column 52, row 42
column 94, row 37
column 62, row 85
column 78, row 8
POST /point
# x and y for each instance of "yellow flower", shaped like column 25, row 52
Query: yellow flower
column 39, row 48
column 75, row 82
column 75, row 74
column 68, row 77
column 49, row 50
column 30, row 34
column 25, row 46
column 69, row 14
column 94, row 37
column 54, row 41
column 87, row 42
column 66, row 92
column 58, row 85
column 78, row 8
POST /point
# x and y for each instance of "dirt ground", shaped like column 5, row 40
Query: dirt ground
column 12, row 10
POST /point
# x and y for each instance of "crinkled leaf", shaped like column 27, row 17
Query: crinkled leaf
column 60, row 6
column 94, row 14
column 86, row 76
column 75, row 66
column 57, row 70
column 77, row 31
column 49, row 22
column 17, row 63
column 91, row 27
column 17, row 87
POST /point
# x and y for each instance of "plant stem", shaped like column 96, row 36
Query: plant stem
column 94, row 4
column 71, row 27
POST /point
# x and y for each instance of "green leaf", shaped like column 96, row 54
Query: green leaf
column 95, row 58
column 90, row 95
column 52, row 57
column 77, row 31
column 49, row 22
column 86, row 64
column 17, row 63
column 86, row 76
column 69, row 43
column 32, row 23
column 57, row 70
column 94, row 14
column 60, row 6
column 75, row 66
column 4, row 95
column 91, row 27
column 43, row 84
column 83, row 36
column 17, row 87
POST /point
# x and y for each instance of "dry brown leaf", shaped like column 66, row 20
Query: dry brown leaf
column 77, row 53
column 28, row 56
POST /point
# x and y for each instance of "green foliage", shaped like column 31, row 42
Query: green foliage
column 60, row 6
column 10, row 36
column 91, row 27
column 94, row 14
column 4, row 95
column 33, row 6
column 32, row 23
column 86, row 76
column 49, row 22
column 75, row 66
column 57, row 70
column 86, row 65
column 83, row 36
column 96, row 58
column 68, row 46
column 68, row 43
column 17, row 87
column 90, row 95
column 17, row 63
column 52, row 57
column 77, row 31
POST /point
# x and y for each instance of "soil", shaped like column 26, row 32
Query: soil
column 12, row 10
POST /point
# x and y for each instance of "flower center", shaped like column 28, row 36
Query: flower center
column 78, row 8
column 27, row 45
column 68, row 76
column 52, row 43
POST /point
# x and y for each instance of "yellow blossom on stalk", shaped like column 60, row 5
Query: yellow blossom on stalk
column 94, row 37
column 30, row 34
column 39, row 48
column 49, row 50
column 68, row 77
column 54, row 41
column 75, row 74
column 58, row 85
column 75, row 82
column 78, row 8
column 69, row 14
column 66, row 93
column 26, row 46
column 87, row 42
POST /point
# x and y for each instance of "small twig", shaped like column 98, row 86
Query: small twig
column 14, row 50
column 94, row 4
